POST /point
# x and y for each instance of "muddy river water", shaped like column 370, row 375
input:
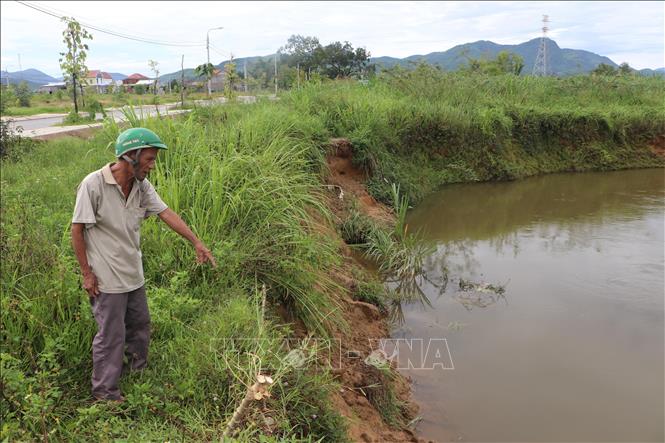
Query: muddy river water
column 573, row 350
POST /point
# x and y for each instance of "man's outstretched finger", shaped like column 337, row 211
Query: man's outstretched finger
column 211, row 259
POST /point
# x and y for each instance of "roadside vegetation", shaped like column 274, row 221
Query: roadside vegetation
column 248, row 179
column 60, row 102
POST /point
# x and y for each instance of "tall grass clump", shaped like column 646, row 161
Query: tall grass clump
column 248, row 186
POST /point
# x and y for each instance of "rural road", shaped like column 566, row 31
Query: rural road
column 46, row 120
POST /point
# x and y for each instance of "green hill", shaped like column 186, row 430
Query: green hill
column 561, row 61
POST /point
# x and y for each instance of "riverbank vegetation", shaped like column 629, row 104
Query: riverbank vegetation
column 424, row 128
column 249, row 180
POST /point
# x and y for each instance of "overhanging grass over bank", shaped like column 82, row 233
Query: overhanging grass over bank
column 247, row 179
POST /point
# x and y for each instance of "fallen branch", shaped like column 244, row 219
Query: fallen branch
column 258, row 391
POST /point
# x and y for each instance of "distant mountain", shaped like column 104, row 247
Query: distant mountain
column 166, row 78
column 561, row 61
column 33, row 77
column 651, row 72
column 117, row 76
column 189, row 72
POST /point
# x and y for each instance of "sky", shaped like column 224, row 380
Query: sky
column 633, row 32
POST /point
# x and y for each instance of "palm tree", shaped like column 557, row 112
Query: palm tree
column 205, row 70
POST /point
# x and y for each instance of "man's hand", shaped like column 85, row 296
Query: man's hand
column 178, row 225
column 90, row 284
column 78, row 243
column 203, row 254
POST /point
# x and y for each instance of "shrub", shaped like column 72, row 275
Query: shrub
column 73, row 118
column 23, row 94
column 7, row 98
column 95, row 107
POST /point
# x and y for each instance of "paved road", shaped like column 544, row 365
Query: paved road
column 45, row 121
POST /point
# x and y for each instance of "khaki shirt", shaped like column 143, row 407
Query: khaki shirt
column 112, row 223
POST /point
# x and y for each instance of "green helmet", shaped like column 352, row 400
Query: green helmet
column 137, row 138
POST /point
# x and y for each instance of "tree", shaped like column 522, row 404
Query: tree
column 509, row 63
column 205, row 70
column 23, row 94
column 230, row 79
column 262, row 71
column 604, row 69
column 341, row 60
column 504, row 63
column 7, row 97
column 302, row 51
column 155, row 70
column 625, row 69
column 72, row 62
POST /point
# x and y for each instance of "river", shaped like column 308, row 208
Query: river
column 573, row 350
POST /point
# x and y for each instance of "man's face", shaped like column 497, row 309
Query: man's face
column 146, row 162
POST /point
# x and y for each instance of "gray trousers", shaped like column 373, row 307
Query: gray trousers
column 123, row 330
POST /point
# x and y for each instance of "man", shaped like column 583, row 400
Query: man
column 111, row 203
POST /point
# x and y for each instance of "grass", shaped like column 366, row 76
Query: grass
column 246, row 178
column 34, row 110
column 61, row 103
column 250, row 190
column 425, row 128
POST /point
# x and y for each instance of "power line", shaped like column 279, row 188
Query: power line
column 113, row 33
column 219, row 51
column 116, row 29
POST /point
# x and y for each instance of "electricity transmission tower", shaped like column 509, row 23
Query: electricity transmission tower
column 540, row 66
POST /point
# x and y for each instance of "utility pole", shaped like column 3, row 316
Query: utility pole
column 20, row 74
column 275, row 75
column 208, row 50
column 182, row 82
column 298, row 75
column 7, row 74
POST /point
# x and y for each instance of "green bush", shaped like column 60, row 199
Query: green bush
column 73, row 118
column 23, row 94
column 94, row 107
column 7, row 98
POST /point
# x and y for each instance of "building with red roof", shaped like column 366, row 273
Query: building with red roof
column 132, row 79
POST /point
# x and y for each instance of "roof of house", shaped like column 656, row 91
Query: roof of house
column 138, row 76
column 95, row 72
column 146, row 81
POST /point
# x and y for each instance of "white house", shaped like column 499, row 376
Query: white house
column 100, row 80
column 53, row 86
